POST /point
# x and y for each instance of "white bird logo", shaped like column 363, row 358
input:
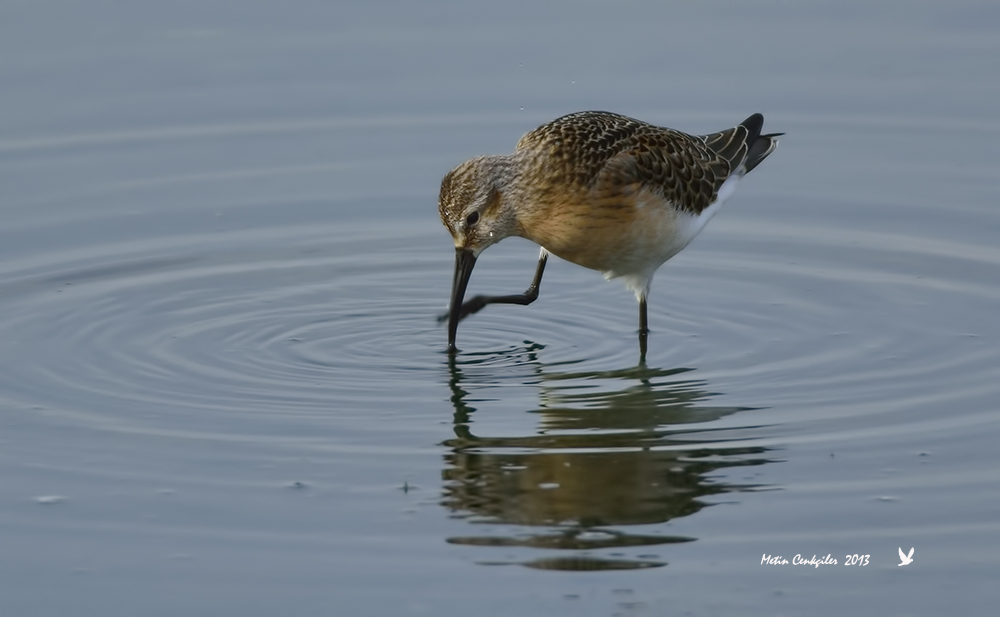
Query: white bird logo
column 906, row 559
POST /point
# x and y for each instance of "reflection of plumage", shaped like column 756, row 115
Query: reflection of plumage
column 906, row 559
column 612, row 448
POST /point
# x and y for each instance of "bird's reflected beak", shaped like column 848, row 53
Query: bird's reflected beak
column 465, row 261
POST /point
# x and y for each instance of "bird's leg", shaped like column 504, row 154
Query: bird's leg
column 530, row 295
column 643, row 327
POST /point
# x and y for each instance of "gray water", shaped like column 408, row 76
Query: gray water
column 223, row 390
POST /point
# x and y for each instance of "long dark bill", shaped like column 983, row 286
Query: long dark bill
column 465, row 261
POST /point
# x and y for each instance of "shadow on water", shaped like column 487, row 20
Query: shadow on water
column 613, row 448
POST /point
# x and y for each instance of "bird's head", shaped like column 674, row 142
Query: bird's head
column 472, row 204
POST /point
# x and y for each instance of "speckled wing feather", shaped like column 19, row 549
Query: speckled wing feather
column 616, row 156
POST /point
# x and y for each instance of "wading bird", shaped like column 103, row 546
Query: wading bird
column 601, row 190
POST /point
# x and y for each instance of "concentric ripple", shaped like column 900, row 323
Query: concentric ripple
column 292, row 330
column 299, row 319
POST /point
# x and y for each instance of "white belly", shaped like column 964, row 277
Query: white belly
column 665, row 233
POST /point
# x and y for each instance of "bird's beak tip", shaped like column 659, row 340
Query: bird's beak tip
column 465, row 261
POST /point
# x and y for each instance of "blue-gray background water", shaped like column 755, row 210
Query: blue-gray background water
column 223, row 390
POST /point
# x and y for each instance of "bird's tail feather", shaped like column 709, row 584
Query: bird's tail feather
column 759, row 149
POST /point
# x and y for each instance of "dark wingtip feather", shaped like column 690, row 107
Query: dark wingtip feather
column 743, row 145
column 753, row 125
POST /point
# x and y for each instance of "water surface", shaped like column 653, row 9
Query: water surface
column 223, row 389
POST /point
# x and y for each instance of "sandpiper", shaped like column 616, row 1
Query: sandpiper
column 601, row 190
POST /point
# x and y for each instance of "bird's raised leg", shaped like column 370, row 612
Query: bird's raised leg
column 476, row 304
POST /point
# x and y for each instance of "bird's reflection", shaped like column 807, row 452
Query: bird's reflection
column 612, row 448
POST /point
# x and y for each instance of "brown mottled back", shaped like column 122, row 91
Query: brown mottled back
column 610, row 154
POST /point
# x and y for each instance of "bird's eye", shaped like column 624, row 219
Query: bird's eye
column 472, row 219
